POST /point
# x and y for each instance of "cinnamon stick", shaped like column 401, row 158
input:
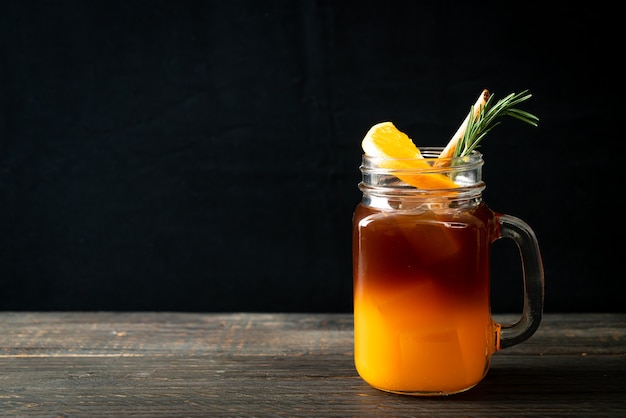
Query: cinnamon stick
column 448, row 151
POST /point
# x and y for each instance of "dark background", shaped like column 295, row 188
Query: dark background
column 203, row 155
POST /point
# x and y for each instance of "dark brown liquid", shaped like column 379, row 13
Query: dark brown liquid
column 421, row 297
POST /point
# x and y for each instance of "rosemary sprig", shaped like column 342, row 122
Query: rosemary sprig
column 478, row 127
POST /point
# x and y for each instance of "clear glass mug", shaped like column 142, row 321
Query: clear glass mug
column 422, row 314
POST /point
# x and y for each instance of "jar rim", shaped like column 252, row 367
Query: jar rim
column 399, row 176
column 430, row 155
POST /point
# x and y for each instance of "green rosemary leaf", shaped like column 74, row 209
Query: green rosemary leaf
column 477, row 128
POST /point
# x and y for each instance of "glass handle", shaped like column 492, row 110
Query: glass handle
column 533, row 276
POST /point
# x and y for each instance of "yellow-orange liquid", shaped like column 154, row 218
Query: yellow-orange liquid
column 422, row 319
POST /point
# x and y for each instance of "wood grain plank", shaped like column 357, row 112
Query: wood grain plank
column 283, row 365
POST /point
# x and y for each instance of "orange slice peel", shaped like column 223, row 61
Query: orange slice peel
column 398, row 152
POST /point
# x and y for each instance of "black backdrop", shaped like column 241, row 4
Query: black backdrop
column 203, row 155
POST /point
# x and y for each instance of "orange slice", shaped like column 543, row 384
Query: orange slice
column 384, row 140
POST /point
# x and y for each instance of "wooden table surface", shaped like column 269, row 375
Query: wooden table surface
column 102, row 364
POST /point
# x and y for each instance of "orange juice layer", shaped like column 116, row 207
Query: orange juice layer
column 422, row 320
